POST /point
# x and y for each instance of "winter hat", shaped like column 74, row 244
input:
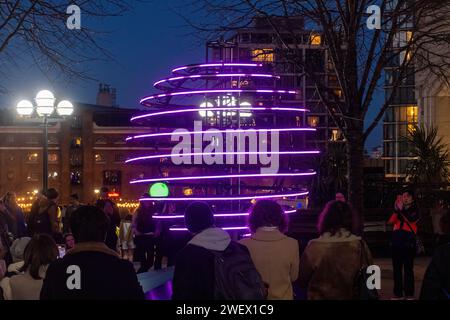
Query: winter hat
column 18, row 247
column 198, row 217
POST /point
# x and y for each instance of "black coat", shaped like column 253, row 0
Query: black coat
column 436, row 282
column 193, row 278
column 104, row 275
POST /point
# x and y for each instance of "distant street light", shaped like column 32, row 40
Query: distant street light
column 45, row 108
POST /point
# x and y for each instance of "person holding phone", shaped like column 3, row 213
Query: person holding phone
column 404, row 219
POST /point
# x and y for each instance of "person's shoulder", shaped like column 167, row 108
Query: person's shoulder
column 125, row 264
column 245, row 241
column 290, row 240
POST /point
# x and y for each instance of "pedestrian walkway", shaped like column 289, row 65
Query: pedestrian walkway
column 387, row 282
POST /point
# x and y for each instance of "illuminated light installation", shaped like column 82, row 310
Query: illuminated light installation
column 208, row 65
column 218, row 215
column 172, row 112
column 163, row 134
column 224, row 228
column 251, row 175
column 158, row 190
column 193, row 154
column 236, row 98
column 196, row 76
column 232, row 198
column 209, row 91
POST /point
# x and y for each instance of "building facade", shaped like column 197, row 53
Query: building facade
column 260, row 43
column 422, row 98
column 86, row 151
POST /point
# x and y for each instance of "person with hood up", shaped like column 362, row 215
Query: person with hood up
column 194, row 266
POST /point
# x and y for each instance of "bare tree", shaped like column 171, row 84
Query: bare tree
column 410, row 33
column 35, row 32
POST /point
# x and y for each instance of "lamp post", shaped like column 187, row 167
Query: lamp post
column 45, row 109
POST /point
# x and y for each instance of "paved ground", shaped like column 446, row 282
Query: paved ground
column 387, row 283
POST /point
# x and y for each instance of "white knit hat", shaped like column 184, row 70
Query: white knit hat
column 18, row 247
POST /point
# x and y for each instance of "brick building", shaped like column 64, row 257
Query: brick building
column 86, row 151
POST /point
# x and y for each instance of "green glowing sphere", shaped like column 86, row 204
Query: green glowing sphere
column 158, row 190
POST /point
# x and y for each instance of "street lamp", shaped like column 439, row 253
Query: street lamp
column 45, row 108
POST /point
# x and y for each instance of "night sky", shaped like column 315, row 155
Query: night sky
column 146, row 44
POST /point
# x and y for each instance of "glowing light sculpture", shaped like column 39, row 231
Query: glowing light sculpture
column 227, row 97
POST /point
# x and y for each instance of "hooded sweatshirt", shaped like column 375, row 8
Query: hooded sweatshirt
column 194, row 267
column 212, row 239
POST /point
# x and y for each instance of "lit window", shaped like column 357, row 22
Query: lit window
column 53, row 157
column 76, row 142
column 32, row 157
column 297, row 121
column 335, row 135
column 409, row 36
column 99, row 158
column 188, row 192
column 405, row 56
column 262, row 55
column 313, row 121
column 411, row 113
column 338, row 93
column 53, row 175
column 411, row 128
column 315, row 39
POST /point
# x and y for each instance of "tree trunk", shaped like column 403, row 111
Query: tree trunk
column 355, row 163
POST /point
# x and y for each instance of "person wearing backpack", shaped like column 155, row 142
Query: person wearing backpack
column 144, row 230
column 211, row 266
column 44, row 218
column 404, row 219
column 275, row 255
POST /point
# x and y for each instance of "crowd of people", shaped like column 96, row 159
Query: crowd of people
column 87, row 252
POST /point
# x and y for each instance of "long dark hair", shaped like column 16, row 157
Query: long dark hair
column 40, row 251
column 144, row 216
column 267, row 213
column 334, row 216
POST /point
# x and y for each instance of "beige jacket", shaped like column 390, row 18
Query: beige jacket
column 276, row 257
column 25, row 287
column 330, row 264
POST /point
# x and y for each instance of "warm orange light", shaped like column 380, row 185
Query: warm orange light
column 113, row 194
column 262, row 55
column 315, row 39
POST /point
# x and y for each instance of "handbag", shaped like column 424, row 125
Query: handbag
column 420, row 248
column 360, row 289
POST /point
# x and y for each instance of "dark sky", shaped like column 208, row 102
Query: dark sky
column 146, row 43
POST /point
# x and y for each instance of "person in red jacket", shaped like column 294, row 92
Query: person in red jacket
column 404, row 219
